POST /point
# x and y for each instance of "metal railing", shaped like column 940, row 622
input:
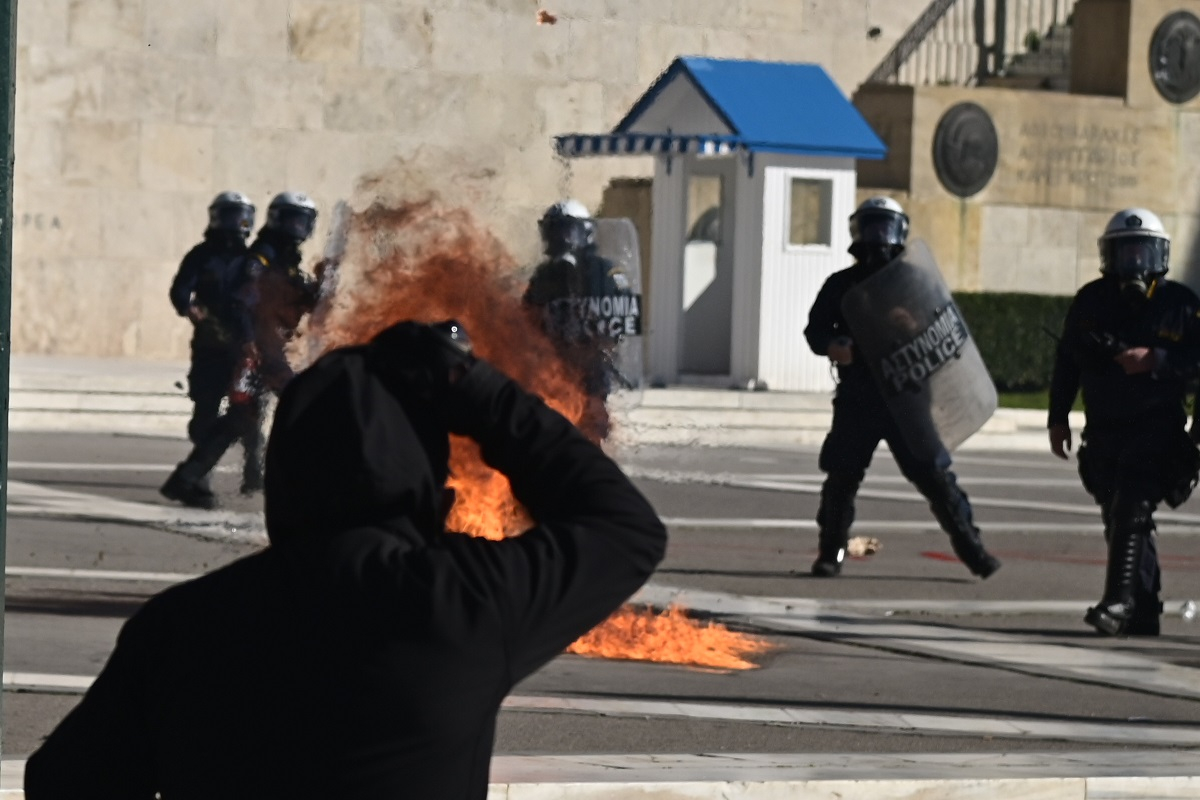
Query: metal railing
column 964, row 42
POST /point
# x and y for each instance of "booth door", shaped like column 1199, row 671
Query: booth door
column 805, row 237
column 707, row 302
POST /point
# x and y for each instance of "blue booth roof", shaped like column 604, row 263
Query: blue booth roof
column 760, row 106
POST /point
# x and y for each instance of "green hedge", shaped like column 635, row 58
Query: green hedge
column 1011, row 331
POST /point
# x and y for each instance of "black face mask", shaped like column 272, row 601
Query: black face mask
column 1138, row 289
column 874, row 256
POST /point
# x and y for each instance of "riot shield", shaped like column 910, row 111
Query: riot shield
column 906, row 325
column 621, row 315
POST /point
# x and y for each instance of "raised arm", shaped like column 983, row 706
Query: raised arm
column 596, row 538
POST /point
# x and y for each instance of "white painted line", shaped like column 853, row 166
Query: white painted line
column 1049, row 462
column 43, row 680
column 899, row 480
column 75, row 466
column 771, row 776
column 899, row 526
column 1012, row 651
column 1122, row 733
column 97, row 574
column 965, row 725
column 911, row 496
column 31, row 500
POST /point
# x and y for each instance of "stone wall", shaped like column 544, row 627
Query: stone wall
column 132, row 114
column 1066, row 162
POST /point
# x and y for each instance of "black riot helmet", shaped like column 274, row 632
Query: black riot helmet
column 1135, row 249
column 566, row 228
column 232, row 213
column 292, row 214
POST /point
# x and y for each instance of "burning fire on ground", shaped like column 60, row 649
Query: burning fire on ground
column 418, row 261
column 671, row 637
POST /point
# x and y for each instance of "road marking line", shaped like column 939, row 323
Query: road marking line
column 899, row 480
column 887, row 608
column 31, row 500
column 1123, row 732
column 900, row 526
column 72, row 466
column 97, row 574
column 814, row 487
column 1017, row 652
column 1094, row 773
column 43, row 680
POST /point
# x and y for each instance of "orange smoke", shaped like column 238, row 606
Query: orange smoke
column 424, row 263
column 671, row 637
column 421, row 262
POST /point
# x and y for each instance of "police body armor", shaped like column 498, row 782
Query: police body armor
column 920, row 353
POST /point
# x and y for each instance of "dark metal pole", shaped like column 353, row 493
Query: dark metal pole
column 981, row 46
column 999, row 35
column 8, row 81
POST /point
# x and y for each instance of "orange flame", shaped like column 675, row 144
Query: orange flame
column 671, row 637
column 418, row 261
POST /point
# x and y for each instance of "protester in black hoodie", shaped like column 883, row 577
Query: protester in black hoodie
column 366, row 652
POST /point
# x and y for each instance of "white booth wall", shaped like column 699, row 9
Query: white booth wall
column 763, row 287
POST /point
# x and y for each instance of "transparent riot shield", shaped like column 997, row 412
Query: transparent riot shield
column 905, row 323
column 617, row 241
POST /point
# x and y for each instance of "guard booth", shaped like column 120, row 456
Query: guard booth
column 754, row 182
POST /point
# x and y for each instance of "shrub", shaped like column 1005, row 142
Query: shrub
column 1016, row 335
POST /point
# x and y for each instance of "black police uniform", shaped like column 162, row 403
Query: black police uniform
column 278, row 296
column 554, row 284
column 209, row 277
column 273, row 295
column 1135, row 451
column 861, row 419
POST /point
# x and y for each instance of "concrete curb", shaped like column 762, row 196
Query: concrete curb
column 1088, row 775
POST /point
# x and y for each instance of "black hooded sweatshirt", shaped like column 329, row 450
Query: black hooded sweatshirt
column 365, row 653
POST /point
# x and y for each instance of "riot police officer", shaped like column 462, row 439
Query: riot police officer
column 1131, row 342
column 861, row 418
column 273, row 296
column 572, row 271
column 203, row 290
column 280, row 293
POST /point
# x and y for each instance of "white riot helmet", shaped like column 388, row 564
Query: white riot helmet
column 293, row 214
column 231, row 212
column 879, row 221
column 567, row 227
column 1135, row 248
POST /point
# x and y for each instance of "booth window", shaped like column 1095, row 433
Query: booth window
column 811, row 212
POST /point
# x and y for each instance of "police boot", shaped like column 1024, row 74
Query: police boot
column 188, row 485
column 834, row 518
column 252, row 468
column 1147, row 615
column 1115, row 610
column 953, row 512
column 252, row 477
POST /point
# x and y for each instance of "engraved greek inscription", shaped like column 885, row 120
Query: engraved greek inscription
column 1096, row 156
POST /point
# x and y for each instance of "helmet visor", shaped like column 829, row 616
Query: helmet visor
column 877, row 227
column 1132, row 257
column 567, row 234
column 232, row 218
column 295, row 222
